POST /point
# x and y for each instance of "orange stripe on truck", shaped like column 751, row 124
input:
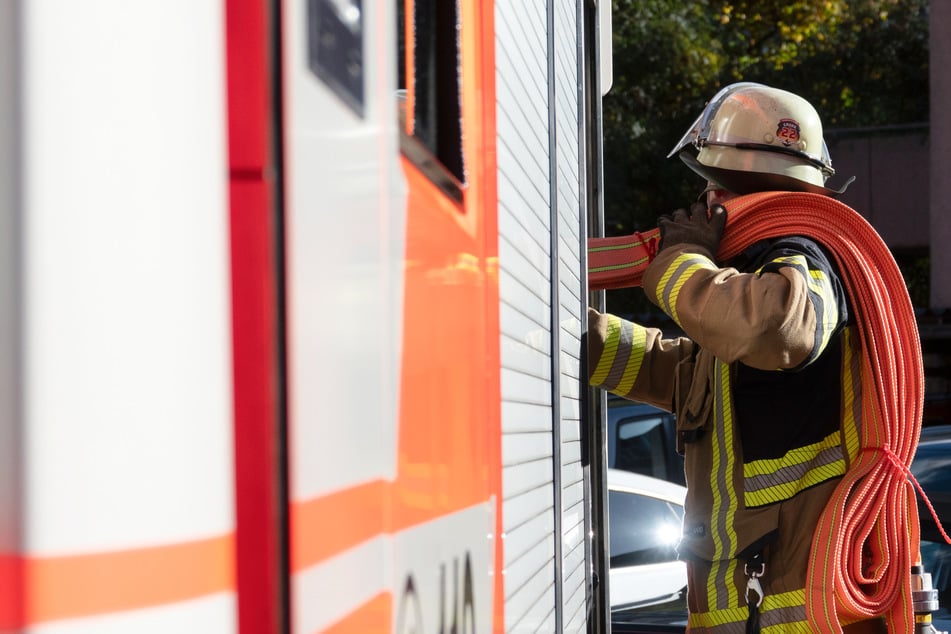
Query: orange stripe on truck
column 329, row 525
column 373, row 616
column 97, row 583
column 326, row 526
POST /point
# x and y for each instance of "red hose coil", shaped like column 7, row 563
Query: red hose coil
column 867, row 537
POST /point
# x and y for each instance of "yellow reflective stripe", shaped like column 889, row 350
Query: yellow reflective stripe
column 662, row 285
column 616, row 267
column 721, row 590
column 774, row 480
column 792, row 260
column 618, row 247
column 725, row 503
column 779, row 613
column 620, row 363
column 819, row 284
column 610, row 351
column 829, row 319
column 718, row 618
column 633, row 366
column 784, row 613
column 673, row 279
column 797, row 456
column 786, row 490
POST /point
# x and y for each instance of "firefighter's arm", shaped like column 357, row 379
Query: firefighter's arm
column 779, row 317
column 632, row 361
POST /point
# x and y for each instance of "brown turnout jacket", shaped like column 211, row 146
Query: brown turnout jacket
column 766, row 388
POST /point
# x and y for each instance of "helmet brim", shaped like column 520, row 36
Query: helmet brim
column 698, row 133
column 739, row 182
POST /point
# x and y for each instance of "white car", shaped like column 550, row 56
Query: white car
column 646, row 515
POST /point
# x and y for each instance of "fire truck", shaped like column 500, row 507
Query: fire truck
column 292, row 298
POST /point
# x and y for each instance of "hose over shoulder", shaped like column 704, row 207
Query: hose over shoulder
column 868, row 534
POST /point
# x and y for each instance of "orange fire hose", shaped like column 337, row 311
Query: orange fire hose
column 867, row 537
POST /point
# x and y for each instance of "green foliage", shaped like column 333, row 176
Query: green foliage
column 866, row 65
column 860, row 62
column 661, row 77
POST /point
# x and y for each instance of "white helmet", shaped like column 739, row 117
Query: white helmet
column 751, row 137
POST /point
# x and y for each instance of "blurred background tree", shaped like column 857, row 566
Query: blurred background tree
column 860, row 62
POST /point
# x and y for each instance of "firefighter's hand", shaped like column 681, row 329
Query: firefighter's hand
column 698, row 226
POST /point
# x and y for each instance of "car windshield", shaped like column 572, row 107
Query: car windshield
column 647, row 580
column 644, row 530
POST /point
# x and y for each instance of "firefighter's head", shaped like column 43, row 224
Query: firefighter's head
column 751, row 138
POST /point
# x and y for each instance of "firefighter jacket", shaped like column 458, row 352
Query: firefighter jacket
column 765, row 386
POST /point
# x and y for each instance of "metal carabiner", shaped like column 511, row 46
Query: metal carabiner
column 758, row 569
column 753, row 584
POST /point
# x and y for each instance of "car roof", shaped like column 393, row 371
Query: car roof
column 618, row 406
column 932, row 451
column 621, row 480
column 934, row 433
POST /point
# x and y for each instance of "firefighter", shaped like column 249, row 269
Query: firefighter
column 765, row 381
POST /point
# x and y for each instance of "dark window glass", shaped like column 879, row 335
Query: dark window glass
column 640, row 446
column 335, row 48
column 436, row 55
column 431, row 134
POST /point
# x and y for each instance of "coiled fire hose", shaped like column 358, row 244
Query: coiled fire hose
column 868, row 535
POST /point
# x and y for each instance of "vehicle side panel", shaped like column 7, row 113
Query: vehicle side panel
column 122, row 407
column 539, row 185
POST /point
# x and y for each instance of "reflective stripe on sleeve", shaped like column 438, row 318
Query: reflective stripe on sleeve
column 821, row 294
column 673, row 279
column 621, row 360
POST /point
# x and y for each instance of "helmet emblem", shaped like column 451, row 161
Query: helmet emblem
column 787, row 131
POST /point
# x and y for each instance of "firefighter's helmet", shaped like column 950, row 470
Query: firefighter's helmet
column 752, row 137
